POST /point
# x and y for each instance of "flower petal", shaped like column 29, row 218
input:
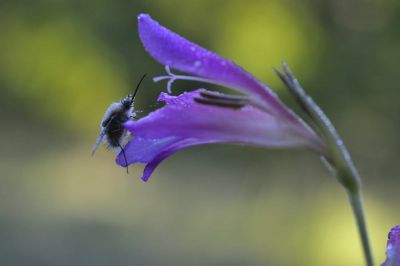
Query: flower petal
column 172, row 50
column 393, row 247
column 182, row 122
column 182, row 117
column 142, row 150
column 153, row 151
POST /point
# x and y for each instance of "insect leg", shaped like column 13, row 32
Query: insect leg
column 123, row 154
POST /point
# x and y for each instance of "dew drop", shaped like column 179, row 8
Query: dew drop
column 197, row 63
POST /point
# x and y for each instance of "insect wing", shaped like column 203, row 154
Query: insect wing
column 99, row 139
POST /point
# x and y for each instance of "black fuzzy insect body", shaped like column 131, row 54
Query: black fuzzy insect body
column 113, row 133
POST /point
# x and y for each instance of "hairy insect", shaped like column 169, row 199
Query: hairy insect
column 113, row 133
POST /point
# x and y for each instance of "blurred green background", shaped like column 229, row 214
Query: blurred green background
column 62, row 62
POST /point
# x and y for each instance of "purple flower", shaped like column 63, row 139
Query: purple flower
column 200, row 117
column 172, row 50
column 393, row 247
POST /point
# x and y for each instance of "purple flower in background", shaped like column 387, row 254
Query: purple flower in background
column 200, row 117
column 393, row 247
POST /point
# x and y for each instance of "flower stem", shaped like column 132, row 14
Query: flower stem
column 338, row 160
column 358, row 210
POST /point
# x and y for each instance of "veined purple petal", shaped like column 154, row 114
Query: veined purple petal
column 153, row 151
column 393, row 248
column 182, row 117
column 182, row 122
column 172, row 50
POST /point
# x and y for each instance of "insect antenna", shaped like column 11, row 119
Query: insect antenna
column 123, row 154
column 137, row 87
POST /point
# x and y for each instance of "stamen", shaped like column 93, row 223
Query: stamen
column 172, row 77
column 169, row 85
column 168, row 70
column 157, row 79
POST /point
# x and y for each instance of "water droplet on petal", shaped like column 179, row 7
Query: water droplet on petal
column 197, row 63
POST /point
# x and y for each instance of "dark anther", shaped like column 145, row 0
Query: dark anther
column 220, row 103
column 217, row 95
column 222, row 100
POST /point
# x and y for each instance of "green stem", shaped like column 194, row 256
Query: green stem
column 358, row 210
column 337, row 159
